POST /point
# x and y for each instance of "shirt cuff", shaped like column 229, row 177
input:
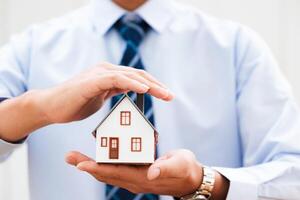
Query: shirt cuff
column 7, row 147
column 242, row 186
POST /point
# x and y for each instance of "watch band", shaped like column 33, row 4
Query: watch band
column 194, row 196
column 208, row 182
column 206, row 187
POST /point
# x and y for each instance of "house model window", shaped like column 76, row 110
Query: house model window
column 136, row 144
column 104, row 142
column 125, row 118
column 114, row 143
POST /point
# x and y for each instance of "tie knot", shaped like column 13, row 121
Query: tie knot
column 132, row 28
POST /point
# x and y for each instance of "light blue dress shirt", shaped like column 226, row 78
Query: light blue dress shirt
column 233, row 108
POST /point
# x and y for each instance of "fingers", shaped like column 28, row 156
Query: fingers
column 112, row 81
column 112, row 171
column 173, row 165
column 89, row 166
column 156, row 88
column 74, row 158
column 124, row 82
column 168, row 168
column 142, row 73
column 105, row 171
column 109, row 174
column 114, row 92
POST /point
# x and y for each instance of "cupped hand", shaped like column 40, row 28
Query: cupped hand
column 84, row 94
column 177, row 173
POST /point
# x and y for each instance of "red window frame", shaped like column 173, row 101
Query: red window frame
column 136, row 144
column 103, row 141
column 125, row 118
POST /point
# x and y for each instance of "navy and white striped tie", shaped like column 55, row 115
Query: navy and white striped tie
column 132, row 29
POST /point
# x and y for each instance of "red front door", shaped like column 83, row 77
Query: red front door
column 113, row 148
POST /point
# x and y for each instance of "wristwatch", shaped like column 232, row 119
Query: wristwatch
column 206, row 187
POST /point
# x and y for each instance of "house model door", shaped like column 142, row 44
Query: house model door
column 113, row 148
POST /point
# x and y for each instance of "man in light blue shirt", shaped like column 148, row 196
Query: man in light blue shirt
column 232, row 108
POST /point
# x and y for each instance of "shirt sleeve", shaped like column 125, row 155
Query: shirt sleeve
column 14, row 64
column 269, row 126
column 7, row 148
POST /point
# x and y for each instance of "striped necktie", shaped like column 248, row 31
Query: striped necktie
column 132, row 30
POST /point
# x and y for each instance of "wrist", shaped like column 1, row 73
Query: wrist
column 196, row 178
column 20, row 116
column 210, row 185
column 199, row 177
column 34, row 103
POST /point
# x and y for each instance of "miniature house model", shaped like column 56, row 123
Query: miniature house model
column 125, row 135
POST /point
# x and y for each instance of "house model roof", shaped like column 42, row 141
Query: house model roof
column 116, row 105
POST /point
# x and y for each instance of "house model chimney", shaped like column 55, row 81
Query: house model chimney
column 140, row 102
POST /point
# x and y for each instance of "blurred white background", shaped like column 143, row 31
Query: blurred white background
column 277, row 21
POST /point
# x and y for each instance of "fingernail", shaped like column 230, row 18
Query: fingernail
column 154, row 173
column 167, row 94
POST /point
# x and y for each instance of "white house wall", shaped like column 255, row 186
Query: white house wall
column 139, row 128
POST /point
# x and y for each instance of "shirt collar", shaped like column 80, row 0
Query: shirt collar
column 104, row 14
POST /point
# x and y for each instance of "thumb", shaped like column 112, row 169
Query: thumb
column 170, row 167
column 74, row 158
